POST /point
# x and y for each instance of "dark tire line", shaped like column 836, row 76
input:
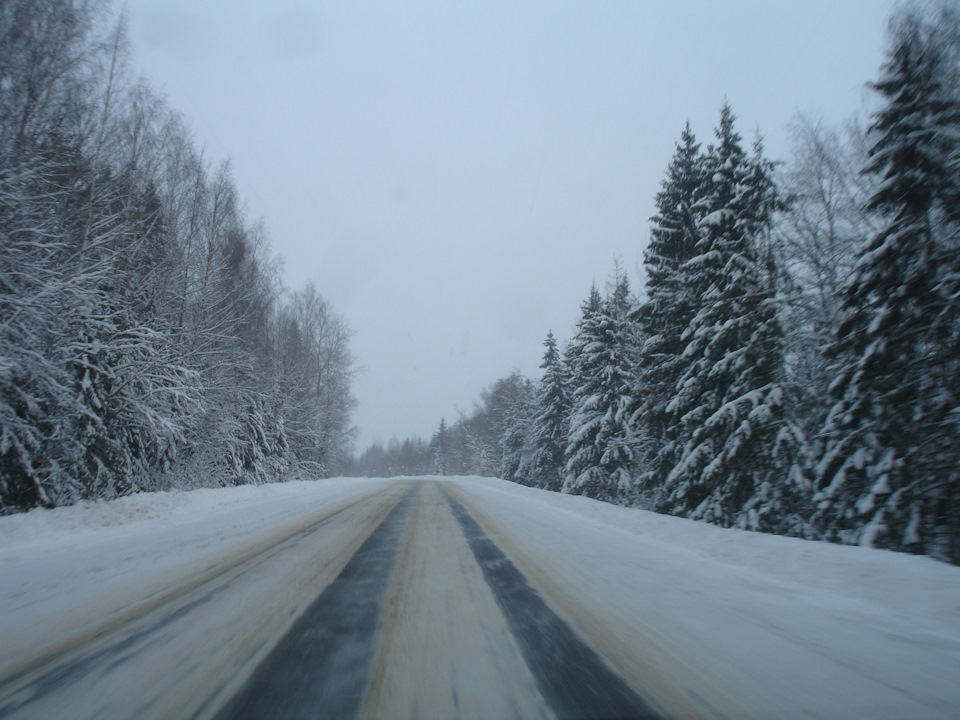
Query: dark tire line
column 573, row 679
column 321, row 667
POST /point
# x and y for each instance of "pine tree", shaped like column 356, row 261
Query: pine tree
column 728, row 403
column 581, row 471
column 600, row 448
column 439, row 446
column 516, row 441
column 664, row 317
column 891, row 475
column 550, row 425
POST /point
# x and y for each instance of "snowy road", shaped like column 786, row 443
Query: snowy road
column 376, row 607
column 183, row 649
column 466, row 598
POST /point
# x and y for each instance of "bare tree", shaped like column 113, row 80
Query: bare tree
column 816, row 239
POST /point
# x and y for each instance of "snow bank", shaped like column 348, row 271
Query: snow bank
column 26, row 535
column 740, row 624
column 924, row 590
column 63, row 572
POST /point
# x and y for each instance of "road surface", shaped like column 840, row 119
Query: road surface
column 396, row 604
column 456, row 598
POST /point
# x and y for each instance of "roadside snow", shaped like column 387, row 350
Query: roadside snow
column 735, row 623
column 706, row 621
column 65, row 571
column 924, row 590
column 26, row 535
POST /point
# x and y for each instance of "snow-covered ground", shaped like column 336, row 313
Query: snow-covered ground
column 703, row 621
column 737, row 624
column 64, row 572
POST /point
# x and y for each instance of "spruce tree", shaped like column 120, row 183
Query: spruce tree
column 581, row 472
column 673, row 239
column 664, row 317
column 439, row 445
column 728, row 403
column 891, row 475
column 600, row 451
column 550, row 425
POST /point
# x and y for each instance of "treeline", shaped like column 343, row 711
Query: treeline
column 794, row 366
column 484, row 442
column 145, row 339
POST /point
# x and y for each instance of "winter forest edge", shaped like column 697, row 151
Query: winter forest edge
column 146, row 342
column 794, row 365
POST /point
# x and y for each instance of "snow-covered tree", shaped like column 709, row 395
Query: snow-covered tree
column 140, row 335
column 667, row 312
column 92, row 392
column 600, row 449
column 315, row 369
column 582, row 452
column 729, row 402
column 816, row 237
column 550, row 425
column 891, row 474
column 516, row 442
column 439, row 447
column 410, row 456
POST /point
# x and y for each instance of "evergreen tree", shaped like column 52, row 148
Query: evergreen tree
column 891, row 475
column 550, row 425
column 581, row 471
column 669, row 308
column 620, row 353
column 600, row 448
column 516, row 442
column 728, row 403
column 439, row 447
column 673, row 240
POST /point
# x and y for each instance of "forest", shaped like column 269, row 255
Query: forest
column 792, row 365
column 146, row 340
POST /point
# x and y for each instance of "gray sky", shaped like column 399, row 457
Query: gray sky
column 452, row 176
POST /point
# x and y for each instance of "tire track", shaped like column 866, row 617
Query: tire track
column 444, row 649
column 572, row 677
column 91, row 675
column 320, row 668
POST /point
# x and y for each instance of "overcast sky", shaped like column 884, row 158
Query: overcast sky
column 453, row 175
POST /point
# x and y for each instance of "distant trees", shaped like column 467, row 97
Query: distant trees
column 411, row 456
column 145, row 340
column 794, row 366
